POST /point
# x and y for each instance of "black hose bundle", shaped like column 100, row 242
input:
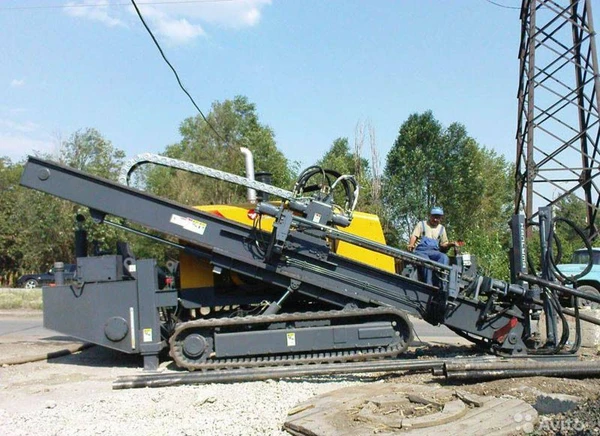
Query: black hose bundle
column 551, row 296
column 349, row 184
column 554, row 261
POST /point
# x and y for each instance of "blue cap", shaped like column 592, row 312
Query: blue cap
column 437, row 211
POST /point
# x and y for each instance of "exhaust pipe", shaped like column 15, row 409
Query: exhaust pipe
column 251, row 195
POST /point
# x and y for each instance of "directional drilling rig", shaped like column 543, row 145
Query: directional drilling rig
column 294, row 281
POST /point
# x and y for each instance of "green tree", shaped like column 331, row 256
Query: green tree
column 87, row 150
column 339, row 158
column 233, row 124
column 573, row 209
column 432, row 165
column 42, row 226
column 487, row 233
column 44, row 230
column 10, row 255
column 411, row 170
column 32, row 227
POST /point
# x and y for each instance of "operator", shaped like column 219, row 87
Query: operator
column 429, row 240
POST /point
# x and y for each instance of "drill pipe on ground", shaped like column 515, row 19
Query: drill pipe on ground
column 582, row 316
column 492, row 371
column 156, row 380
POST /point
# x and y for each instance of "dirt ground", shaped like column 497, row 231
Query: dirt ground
column 87, row 376
column 584, row 419
column 526, row 388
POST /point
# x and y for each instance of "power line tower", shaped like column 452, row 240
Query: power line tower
column 558, row 119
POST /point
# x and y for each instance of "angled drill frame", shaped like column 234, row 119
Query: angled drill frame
column 304, row 262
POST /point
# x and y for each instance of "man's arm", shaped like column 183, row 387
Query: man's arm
column 412, row 242
column 414, row 236
column 446, row 245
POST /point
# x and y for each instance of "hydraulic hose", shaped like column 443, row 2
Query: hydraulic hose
column 350, row 192
column 550, row 294
column 551, row 259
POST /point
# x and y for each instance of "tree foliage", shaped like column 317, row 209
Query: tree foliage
column 10, row 254
column 339, row 158
column 233, row 124
column 37, row 229
column 431, row 165
column 87, row 150
column 574, row 210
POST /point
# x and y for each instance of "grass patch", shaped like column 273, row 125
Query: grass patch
column 21, row 299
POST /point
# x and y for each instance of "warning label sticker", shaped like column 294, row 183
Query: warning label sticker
column 147, row 335
column 189, row 224
column 291, row 339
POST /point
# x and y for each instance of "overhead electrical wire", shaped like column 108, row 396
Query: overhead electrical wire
column 502, row 6
column 174, row 71
column 156, row 41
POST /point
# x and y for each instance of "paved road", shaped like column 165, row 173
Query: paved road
column 23, row 325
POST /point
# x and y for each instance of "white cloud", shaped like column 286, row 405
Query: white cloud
column 26, row 127
column 233, row 14
column 175, row 30
column 95, row 10
column 175, row 21
column 19, row 146
column 15, row 83
column 19, row 139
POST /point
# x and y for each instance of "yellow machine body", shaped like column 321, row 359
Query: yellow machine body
column 195, row 273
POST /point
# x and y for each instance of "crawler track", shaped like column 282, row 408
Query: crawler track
column 206, row 361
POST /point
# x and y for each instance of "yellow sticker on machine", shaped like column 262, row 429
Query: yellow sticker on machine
column 291, row 339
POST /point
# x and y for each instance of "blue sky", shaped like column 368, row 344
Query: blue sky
column 313, row 68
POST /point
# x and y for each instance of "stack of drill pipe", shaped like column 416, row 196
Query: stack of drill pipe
column 521, row 368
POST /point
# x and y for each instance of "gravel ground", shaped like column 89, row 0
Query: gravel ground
column 73, row 396
column 257, row 408
column 585, row 420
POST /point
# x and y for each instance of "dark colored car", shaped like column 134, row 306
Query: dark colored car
column 30, row 281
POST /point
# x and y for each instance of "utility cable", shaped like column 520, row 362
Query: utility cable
column 502, row 6
column 174, row 71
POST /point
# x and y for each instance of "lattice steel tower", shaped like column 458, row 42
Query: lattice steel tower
column 558, row 119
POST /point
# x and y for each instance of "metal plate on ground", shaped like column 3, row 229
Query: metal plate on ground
column 397, row 408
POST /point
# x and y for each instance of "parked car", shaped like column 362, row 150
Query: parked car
column 30, row 281
column 589, row 283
